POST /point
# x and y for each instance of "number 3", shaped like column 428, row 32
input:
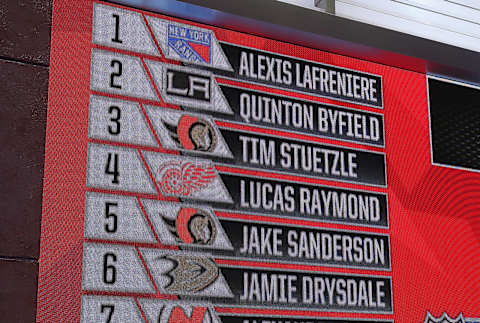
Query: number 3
column 115, row 119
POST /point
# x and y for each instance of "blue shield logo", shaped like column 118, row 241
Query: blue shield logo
column 190, row 44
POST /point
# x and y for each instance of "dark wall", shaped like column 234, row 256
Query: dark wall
column 25, row 27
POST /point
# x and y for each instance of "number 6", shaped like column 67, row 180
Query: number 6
column 109, row 271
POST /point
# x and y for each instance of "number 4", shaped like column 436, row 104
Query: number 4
column 111, row 168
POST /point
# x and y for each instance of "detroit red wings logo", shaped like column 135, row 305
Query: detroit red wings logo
column 192, row 133
column 184, row 178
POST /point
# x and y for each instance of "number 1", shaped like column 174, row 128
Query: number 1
column 116, row 39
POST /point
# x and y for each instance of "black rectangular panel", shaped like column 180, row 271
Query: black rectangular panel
column 455, row 124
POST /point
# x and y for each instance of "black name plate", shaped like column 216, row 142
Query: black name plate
column 304, row 76
column 275, row 154
column 323, row 247
column 303, row 116
column 311, row 202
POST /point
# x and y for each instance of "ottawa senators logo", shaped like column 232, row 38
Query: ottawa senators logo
column 191, row 274
column 184, row 178
column 192, row 226
column 193, row 133
column 444, row 319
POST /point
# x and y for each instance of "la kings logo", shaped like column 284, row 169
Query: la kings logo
column 188, row 85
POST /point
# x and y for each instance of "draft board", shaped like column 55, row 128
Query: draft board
column 197, row 174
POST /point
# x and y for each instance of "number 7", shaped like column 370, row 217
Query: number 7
column 111, row 309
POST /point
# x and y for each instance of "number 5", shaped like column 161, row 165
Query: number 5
column 108, row 214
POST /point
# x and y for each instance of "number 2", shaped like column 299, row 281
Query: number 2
column 111, row 309
column 118, row 65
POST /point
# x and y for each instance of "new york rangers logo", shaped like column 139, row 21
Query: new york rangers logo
column 190, row 44
column 183, row 178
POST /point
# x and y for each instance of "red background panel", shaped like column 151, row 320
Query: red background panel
column 434, row 211
column 60, row 269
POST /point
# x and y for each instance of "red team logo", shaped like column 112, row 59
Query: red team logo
column 184, row 178
column 199, row 315
column 192, row 226
column 187, row 313
column 193, row 133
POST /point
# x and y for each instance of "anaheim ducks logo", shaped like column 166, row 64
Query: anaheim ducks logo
column 192, row 226
column 184, row 178
column 193, row 133
column 191, row 274
column 444, row 319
